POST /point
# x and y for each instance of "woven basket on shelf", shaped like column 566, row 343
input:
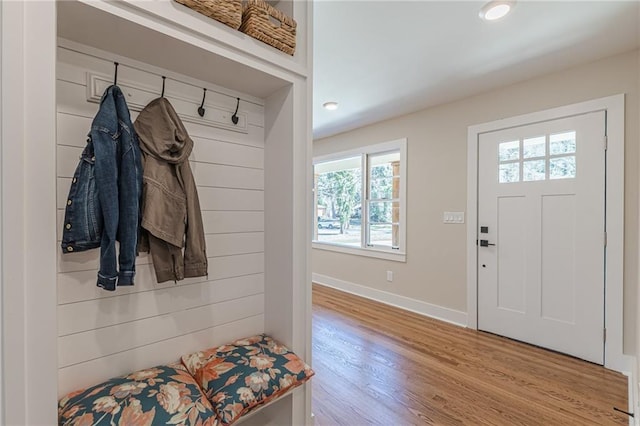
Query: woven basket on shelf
column 258, row 21
column 228, row 12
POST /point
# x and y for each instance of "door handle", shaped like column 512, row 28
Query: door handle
column 485, row 243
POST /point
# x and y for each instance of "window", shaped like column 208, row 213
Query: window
column 359, row 199
column 543, row 157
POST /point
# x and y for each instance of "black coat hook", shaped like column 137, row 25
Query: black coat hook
column 201, row 109
column 234, row 117
column 115, row 74
column 163, row 80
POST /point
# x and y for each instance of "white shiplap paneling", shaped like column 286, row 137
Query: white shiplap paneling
column 67, row 160
column 234, row 243
column 72, row 130
column 82, row 346
column 220, row 176
column 104, row 334
column 73, row 68
column 72, row 101
column 225, row 199
column 86, row 260
column 220, row 152
column 205, row 174
column 228, row 266
column 82, row 261
column 93, row 371
column 218, row 222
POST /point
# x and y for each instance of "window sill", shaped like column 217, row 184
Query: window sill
column 369, row 252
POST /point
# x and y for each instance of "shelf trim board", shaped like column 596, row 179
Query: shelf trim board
column 150, row 15
column 95, row 53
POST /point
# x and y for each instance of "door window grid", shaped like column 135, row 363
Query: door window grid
column 538, row 158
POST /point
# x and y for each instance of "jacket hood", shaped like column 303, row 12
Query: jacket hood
column 161, row 133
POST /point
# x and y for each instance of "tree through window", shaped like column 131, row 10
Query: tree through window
column 359, row 198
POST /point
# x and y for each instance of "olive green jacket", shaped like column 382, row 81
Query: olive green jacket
column 172, row 227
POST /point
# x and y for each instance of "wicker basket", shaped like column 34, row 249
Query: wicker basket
column 257, row 21
column 228, row 12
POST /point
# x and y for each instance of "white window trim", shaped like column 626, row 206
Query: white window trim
column 398, row 255
column 360, row 251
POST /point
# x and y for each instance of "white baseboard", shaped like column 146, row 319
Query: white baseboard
column 423, row 308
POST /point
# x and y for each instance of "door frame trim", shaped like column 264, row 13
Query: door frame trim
column 614, row 358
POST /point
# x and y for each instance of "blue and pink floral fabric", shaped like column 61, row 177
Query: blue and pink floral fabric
column 239, row 377
column 166, row 394
column 235, row 379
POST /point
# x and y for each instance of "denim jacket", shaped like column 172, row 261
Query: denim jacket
column 104, row 200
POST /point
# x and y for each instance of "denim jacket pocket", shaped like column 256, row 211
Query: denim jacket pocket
column 94, row 211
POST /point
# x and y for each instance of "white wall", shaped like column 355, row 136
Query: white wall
column 102, row 334
column 435, row 271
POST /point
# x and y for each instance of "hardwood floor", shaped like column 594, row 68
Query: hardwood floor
column 379, row 365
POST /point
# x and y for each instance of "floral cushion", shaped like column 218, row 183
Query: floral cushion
column 239, row 377
column 166, row 394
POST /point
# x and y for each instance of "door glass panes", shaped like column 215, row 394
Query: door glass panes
column 538, row 160
column 533, row 170
column 562, row 167
column 562, row 143
column 534, row 147
column 509, row 172
column 509, row 151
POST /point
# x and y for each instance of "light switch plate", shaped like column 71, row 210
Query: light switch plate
column 453, row 217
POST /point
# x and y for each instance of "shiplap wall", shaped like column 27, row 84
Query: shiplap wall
column 104, row 334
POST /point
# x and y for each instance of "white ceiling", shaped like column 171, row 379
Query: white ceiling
column 381, row 59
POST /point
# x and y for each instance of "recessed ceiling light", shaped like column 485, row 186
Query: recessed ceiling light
column 497, row 9
column 331, row 106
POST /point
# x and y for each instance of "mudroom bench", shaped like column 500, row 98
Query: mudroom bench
column 214, row 387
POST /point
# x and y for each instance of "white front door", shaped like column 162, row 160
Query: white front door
column 541, row 236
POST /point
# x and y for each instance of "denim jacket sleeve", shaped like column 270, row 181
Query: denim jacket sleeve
column 195, row 252
column 106, row 170
column 119, row 182
column 129, row 194
column 82, row 229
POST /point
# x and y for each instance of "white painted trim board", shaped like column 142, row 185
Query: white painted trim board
column 441, row 313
